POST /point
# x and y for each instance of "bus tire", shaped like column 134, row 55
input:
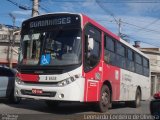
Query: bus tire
column 52, row 104
column 104, row 103
column 137, row 101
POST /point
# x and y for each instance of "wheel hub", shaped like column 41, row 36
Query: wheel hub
column 105, row 98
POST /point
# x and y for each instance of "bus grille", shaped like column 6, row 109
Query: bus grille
column 40, row 83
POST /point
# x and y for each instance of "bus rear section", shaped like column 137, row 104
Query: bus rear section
column 70, row 57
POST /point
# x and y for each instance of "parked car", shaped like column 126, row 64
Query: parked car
column 7, row 78
column 155, row 105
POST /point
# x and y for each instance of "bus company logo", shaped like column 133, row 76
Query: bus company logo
column 50, row 22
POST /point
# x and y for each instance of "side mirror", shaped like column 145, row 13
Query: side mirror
column 90, row 43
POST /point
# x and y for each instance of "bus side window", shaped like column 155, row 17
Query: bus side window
column 138, row 64
column 109, row 53
column 130, row 60
column 120, row 57
column 145, row 67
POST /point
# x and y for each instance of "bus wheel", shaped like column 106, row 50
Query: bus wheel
column 137, row 101
column 104, row 102
column 52, row 104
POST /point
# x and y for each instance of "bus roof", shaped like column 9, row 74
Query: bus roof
column 52, row 14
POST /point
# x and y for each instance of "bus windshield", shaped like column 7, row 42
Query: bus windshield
column 56, row 47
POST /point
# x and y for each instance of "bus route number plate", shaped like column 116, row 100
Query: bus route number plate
column 37, row 91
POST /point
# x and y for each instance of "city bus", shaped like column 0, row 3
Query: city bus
column 70, row 57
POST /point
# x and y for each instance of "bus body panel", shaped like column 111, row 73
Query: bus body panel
column 93, row 79
column 129, row 87
column 112, row 74
column 130, row 82
column 121, row 90
column 106, row 73
column 86, row 20
column 72, row 92
column 92, row 83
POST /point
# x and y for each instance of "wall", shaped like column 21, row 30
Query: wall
column 154, row 55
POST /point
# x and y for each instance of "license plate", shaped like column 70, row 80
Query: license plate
column 37, row 91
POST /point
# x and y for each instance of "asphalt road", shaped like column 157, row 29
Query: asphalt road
column 32, row 109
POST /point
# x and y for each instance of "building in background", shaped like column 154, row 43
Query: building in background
column 9, row 44
column 154, row 55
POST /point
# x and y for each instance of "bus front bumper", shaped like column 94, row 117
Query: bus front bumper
column 71, row 92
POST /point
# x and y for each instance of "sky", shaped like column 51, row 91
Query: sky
column 140, row 19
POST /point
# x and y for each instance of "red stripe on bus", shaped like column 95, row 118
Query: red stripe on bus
column 28, row 77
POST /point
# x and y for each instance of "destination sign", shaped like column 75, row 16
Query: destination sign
column 51, row 21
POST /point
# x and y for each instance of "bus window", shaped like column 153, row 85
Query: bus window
column 138, row 60
column 120, row 57
column 145, row 67
column 31, row 47
column 52, row 48
column 130, row 60
column 92, row 47
column 109, row 53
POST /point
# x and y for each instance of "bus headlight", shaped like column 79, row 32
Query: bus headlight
column 67, row 81
column 18, row 81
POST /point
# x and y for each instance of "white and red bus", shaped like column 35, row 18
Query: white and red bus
column 70, row 57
